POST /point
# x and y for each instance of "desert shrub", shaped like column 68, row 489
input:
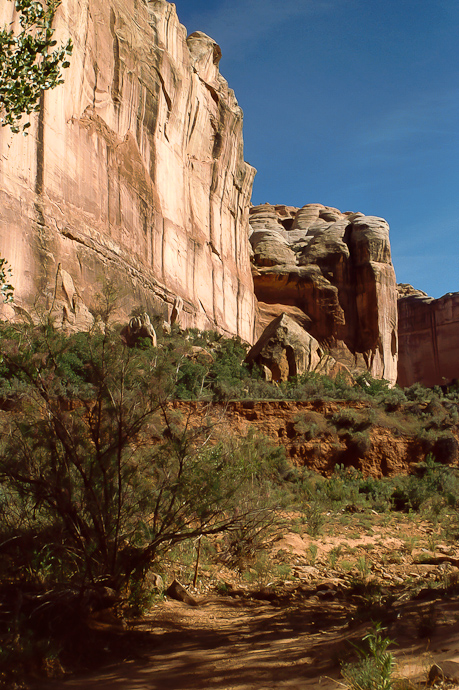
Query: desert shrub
column 452, row 412
column 310, row 425
column 355, row 420
column 374, row 669
column 452, row 392
column 314, row 517
column 418, row 393
column 218, row 373
column 434, row 414
column 392, row 399
column 359, row 443
column 442, row 445
column 312, row 386
column 100, row 477
column 229, row 362
column 342, row 487
column 191, row 380
column 77, row 462
column 432, row 481
column 259, row 389
column 372, row 387
column 378, row 493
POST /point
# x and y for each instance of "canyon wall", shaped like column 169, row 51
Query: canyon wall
column 133, row 172
column 428, row 338
column 332, row 273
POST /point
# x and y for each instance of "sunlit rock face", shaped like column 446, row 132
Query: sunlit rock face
column 429, row 338
column 332, row 273
column 133, row 172
column 286, row 350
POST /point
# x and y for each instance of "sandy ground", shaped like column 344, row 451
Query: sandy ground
column 296, row 633
column 240, row 644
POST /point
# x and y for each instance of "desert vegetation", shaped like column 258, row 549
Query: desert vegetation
column 106, row 487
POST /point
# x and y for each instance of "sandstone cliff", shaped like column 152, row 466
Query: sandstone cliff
column 133, row 171
column 428, row 338
column 332, row 273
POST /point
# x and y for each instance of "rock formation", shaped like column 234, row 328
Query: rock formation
column 137, row 328
column 287, row 350
column 133, row 171
column 428, row 338
column 332, row 273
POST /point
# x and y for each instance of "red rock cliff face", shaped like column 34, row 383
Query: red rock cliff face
column 428, row 339
column 133, row 171
column 332, row 273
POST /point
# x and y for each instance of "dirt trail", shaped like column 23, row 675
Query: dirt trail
column 228, row 644
column 234, row 644
column 295, row 633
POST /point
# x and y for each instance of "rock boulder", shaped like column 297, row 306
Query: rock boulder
column 287, row 350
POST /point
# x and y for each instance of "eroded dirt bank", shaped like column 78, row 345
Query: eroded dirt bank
column 312, row 436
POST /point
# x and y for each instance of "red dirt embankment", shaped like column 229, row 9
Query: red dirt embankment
column 385, row 450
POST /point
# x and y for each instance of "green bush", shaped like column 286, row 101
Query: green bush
column 77, row 464
column 432, row 481
column 359, row 443
column 356, row 420
column 374, row 669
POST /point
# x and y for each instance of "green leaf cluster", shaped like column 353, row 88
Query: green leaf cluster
column 30, row 61
column 96, row 463
column 374, row 669
column 6, row 289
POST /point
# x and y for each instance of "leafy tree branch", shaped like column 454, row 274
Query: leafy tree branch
column 30, row 61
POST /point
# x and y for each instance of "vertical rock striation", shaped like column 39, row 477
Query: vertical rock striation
column 332, row 273
column 428, row 337
column 133, row 172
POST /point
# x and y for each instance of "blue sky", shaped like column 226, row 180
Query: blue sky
column 352, row 104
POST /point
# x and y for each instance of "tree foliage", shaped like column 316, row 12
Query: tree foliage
column 6, row 289
column 30, row 61
column 97, row 465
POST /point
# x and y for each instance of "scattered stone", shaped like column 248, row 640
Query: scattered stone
column 178, row 592
column 435, row 675
column 201, row 355
column 154, row 581
column 306, row 572
column 449, row 671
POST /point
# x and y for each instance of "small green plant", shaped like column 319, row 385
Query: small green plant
column 222, row 587
column 333, row 556
column 410, row 544
column 312, row 553
column 282, row 571
column 432, row 540
column 314, row 518
column 260, row 570
column 140, row 598
column 363, row 566
column 374, row 669
column 346, row 565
